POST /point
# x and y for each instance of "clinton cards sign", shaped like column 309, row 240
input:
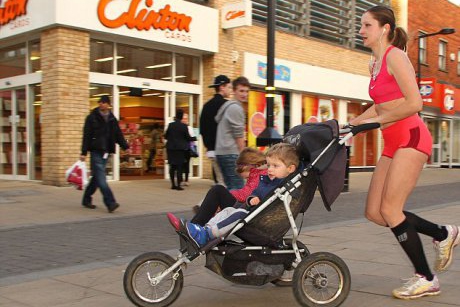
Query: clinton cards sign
column 172, row 22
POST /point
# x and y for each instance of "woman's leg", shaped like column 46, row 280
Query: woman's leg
column 401, row 179
column 374, row 196
column 217, row 197
column 172, row 173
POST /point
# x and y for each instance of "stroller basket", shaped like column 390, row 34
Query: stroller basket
column 313, row 141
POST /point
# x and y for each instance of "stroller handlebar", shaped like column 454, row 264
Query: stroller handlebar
column 364, row 127
column 351, row 131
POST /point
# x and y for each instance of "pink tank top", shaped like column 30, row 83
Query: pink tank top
column 384, row 88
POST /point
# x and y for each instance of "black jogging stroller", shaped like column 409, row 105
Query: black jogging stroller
column 268, row 250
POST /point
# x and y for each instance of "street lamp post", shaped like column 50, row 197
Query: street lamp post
column 269, row 135
column 444, row 31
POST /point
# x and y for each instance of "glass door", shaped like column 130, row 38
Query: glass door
column 434, row 128
column 445, row 141
column 189, row 103
column 13, row 133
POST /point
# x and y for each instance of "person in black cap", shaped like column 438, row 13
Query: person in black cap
column 208, row 125
column 100, row 133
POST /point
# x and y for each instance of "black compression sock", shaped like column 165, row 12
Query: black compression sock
column 425, row 227
column 410, row 242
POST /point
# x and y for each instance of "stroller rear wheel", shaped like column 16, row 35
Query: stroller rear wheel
column 321, row 279
column 140, row 282
column 286, row 279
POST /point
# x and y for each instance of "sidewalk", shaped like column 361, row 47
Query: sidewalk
column 372, row 254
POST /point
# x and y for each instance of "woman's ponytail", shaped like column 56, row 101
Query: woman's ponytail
column 400, row 38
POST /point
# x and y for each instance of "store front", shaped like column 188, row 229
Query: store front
column 310, row 89
column 441, row 113
column 147, row 68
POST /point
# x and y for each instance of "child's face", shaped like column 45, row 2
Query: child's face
column 277, row 169
column 244, row 174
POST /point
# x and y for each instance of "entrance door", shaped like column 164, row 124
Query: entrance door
column 13, row 133
column 142, row 121
column 434, row 127
column 189, row 103
column 445, row 141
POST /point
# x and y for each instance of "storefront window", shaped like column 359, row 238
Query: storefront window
column 13, row 61
column 257, row 110
column 101, row 56
column 187, row 68
column 34, row 57
column 144, row 63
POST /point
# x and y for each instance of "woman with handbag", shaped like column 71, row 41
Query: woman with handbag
column 178, row 144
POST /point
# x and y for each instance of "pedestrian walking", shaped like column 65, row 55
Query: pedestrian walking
column 100, row 133
column 208, row 124
column 178, row 142
column 231, row 122
column 408, row 143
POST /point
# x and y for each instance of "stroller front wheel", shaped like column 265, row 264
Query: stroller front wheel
column 140, row 282
column 321, row 279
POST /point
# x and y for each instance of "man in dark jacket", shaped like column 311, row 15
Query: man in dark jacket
column 100, row 133
column 208, row 125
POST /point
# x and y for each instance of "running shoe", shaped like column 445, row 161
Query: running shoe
column 198, row 234
column 417, row 286
column 444, row 249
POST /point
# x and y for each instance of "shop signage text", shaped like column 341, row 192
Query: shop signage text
column 11, row 10
column 237, row 14
column 144, row 19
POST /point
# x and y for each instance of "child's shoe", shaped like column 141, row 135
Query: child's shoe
column 198, row 234
column 174, row 221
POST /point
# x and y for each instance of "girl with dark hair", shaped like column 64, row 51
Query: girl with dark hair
column 178, row 140
column 408, row 142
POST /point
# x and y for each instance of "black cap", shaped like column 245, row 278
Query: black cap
column 105, row 99
column 219, row 80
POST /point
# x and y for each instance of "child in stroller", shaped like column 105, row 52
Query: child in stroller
column 250, row 165
column 318, row 279
column 282, row 160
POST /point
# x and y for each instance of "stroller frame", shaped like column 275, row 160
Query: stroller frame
column 297, row 255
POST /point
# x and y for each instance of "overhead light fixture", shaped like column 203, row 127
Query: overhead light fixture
column 108, row 59
column 153, row 94
column 92, row 88
column 123, row 92
column 176, row 77
column 159, row 65
column 126, row 71
column 34, row 58
column 101, row 94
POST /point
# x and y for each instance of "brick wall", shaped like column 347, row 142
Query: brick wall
column 430, row 17
column 65, row 66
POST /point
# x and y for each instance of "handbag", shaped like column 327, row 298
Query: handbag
column 77, row 175
column 193, row 151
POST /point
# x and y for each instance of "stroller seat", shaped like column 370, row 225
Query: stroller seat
column 270, row 225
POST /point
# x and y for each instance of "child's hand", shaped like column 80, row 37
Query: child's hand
column 254, row 201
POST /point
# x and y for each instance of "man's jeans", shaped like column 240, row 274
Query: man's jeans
column 227, row 164
column 98, row 180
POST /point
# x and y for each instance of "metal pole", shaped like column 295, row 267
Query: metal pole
column 271, row 24
column 269, row 135
column 419, row 65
